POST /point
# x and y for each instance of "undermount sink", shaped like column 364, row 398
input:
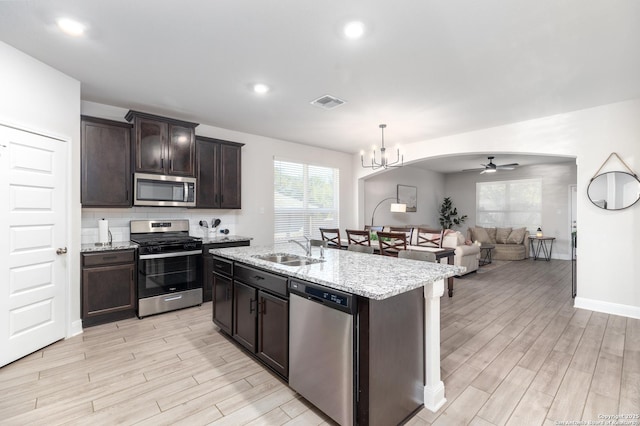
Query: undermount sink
column 288, row 259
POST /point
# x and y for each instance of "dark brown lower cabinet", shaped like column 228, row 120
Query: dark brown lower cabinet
column 273, row 334
column 245, row 301
column 108, row 286
column 223, row 302
column 260, row 315
column 221, row 291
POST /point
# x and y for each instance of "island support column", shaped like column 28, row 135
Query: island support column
column 434, row 387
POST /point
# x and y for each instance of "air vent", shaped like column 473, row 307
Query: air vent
column 327, row 102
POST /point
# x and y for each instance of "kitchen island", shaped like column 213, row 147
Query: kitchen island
column 388, row 336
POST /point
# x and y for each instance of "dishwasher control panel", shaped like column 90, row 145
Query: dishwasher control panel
column 333, row 298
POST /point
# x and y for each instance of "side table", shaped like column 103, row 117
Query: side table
column 542, row 244
column 485, row 253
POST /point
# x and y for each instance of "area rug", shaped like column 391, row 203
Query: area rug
column 496, row 264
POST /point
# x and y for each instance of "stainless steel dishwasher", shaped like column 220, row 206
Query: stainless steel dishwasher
column 321, row 348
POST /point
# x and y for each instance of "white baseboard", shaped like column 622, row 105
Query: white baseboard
column 607, row 307
column 561, row 256
column 75, row 328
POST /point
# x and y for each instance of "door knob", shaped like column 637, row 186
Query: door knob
column 61, row 251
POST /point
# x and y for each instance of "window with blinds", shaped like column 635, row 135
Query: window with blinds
column 305, row 199
column 511, row 203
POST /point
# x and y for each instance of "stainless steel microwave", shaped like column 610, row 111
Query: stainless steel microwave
column 163, row 190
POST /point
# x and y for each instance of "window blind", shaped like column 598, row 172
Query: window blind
column 305, row 199
column 512, row 203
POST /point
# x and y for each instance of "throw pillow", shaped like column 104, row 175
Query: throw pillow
column 480, row 234
column 502, row 234
column 492, row 235
column 516, row 236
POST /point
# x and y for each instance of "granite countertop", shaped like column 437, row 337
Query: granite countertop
column 116, row 245
column 368, row 275
column 221, row 238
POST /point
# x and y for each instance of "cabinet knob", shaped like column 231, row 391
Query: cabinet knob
column 61, row 251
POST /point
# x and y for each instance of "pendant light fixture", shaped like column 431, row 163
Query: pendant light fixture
column 384, row 161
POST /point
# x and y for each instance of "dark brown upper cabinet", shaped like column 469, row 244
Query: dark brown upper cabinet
column 218, row 170
column 163, row 145
column 105, row 163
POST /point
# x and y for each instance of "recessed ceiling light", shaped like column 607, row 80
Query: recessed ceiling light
column 260, row 88
column 354, row 30
column 71, row 27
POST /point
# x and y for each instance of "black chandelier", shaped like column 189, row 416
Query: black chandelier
column 384, row 161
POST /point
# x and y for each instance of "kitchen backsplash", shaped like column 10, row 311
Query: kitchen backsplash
column 119, row 220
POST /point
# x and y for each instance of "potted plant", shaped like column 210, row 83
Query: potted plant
column 449, row 215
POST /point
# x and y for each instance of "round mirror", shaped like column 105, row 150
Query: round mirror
column 614, row 190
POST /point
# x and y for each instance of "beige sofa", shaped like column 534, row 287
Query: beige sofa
column 510, row 243
column 464, row 255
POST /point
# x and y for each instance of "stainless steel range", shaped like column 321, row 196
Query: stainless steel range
column 169, row 265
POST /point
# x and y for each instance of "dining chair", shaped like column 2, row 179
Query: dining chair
column 392, row 242
column 331, row 236
column 407, row 230
column 417, row 255
column 360, row 249
column 429, row 237
column 358, row 237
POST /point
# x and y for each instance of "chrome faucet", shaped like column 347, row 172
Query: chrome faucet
column 306, row 247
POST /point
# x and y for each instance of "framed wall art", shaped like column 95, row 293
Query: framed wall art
column 408, row 195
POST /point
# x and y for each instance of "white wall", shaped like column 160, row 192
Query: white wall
column 430, row 189
column 608, row 270
column 36, row 97
column 555, row 178
column 255, row 219
column 608, row 251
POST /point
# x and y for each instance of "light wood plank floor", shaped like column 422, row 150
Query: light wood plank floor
column 514, row 352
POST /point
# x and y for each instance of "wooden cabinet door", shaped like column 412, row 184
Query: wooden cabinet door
column 150, row 146
column 273, row 332
column 222, row 302
column 245, row 306
column 105, row 163
column 207, row 159
column 230, row 170
column 181, row 151
column 207, row 277
column 108, row 289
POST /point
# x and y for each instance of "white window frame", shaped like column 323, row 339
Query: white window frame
column 285, row 218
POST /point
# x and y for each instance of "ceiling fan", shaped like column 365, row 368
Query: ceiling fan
column 492, row 167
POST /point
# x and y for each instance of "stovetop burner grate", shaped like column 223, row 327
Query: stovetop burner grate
column 165, row 238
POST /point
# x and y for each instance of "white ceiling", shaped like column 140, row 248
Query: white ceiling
column 425, row 68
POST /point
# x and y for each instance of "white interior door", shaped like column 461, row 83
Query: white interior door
column 33, row 226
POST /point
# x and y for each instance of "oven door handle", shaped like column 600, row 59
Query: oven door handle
column 173, row 254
